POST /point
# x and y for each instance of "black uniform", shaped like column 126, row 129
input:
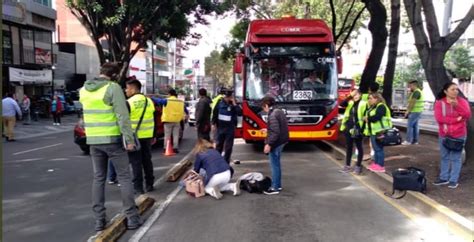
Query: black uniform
column 225, row 117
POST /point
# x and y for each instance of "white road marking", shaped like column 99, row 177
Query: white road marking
column 156, row 214
column 35, row 149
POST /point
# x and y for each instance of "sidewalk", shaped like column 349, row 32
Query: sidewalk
column 44, row 127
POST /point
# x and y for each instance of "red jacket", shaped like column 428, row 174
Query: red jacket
column 454, row 128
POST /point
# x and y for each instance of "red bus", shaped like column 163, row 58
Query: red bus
column 295, row 61
column 345, row 85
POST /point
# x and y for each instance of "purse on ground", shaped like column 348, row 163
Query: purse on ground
column 194, row 184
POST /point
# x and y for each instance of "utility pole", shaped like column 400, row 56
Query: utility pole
column 448, row 10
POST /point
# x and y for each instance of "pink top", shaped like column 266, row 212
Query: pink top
column 454, row 127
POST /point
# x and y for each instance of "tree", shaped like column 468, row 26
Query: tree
column 126, row 26
column 458, row 60
column 217, row 69
column 432, row 47
column 238, row 33
column 392, row 51
column 378, row 17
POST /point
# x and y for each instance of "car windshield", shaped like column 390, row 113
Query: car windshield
column 291, row 74
column 344, row 83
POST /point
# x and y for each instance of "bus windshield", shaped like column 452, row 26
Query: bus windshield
column 291, row 74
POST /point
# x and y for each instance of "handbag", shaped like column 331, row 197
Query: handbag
column 449, row 142
column 136, row 141
column 389, row 137
column 194, row 184
column 408, row 179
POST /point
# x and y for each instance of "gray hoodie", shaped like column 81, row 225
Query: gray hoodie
column 114, row 97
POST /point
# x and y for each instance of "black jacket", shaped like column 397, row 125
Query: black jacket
column 203, row 112
column 277, row 128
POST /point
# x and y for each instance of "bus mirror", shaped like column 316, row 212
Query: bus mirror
column 239, row 60
column 339, row 63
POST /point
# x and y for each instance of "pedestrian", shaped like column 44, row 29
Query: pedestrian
column 217, row 170
column 56, row 107
column 173, row 114
column 352, row 126
column 109, row 134
column 377, row 120
column 203, row 115
column 142, row 115
column 10, row 110
column 224, row 121
column 415, row 107
column 26, row 109
column 214, row 103
column 373, row 88
column 452, row 113
column 277, row 137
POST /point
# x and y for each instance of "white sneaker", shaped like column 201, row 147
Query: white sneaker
column 236, row 188
column 406, row 143
column 216, row 193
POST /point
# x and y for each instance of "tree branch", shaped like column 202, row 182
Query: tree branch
column 460, row 29
column 413, row 9
column 351, row 29
column 431, row 21
column 333, row 22
column 343, row 26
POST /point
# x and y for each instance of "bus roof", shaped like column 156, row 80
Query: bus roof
column 289, row 30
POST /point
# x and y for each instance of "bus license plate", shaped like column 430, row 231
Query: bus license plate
column 303, row 95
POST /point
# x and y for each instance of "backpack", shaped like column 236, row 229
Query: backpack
column 253, row 186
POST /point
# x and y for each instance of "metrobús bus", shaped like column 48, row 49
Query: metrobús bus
column 293, row 60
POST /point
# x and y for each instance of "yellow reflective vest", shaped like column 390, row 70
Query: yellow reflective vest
column 376, row 127
column 419, row 103
column 173, row 111
column 361, row 109
column 100, row 122
column 137, row 106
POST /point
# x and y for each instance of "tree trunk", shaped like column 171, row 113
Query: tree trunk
column 435, row 71
column 392, row 52
column 378, row 17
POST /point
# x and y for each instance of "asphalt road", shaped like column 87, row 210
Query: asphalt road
column 318, row 203
column 47, row 188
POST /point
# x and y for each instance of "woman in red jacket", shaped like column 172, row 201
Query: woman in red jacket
column 452, row 113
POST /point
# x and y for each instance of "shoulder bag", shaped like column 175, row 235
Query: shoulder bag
column 194, row 184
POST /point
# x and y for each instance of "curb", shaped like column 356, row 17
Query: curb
column 118, row 225
column 456, row 223
column 177, row 170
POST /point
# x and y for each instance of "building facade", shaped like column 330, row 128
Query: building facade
column 28, row 55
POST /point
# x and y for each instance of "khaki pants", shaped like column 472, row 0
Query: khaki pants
column 172, row 129
column 8, row 125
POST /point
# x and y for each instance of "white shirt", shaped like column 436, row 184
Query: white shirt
column 10, row 107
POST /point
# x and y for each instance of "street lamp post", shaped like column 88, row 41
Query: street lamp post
column 53, row 67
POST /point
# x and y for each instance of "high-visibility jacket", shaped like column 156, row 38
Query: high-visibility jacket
column 137, row 106
column 419, row 103
column 215, row 101
column 361, row 110
column 173, row 111
column 100, row 122
column 376, row 127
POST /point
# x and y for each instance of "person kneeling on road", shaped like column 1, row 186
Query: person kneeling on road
column 218, row 171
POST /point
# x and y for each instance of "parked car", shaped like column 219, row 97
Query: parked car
column 80, row 135
column 191, row 107
column 344, row 87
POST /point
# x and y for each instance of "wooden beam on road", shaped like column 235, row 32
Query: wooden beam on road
column 178, row 170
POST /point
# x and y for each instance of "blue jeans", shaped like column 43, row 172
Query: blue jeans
column 413, row 131
column 275, row 155
column 447, row 157
column 379, row 156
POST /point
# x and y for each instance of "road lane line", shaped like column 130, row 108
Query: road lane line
column 156, row 214
column 35, row 149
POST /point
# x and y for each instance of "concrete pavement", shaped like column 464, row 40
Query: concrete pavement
column 44, row 127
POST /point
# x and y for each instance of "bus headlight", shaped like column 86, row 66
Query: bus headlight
column 331, row 123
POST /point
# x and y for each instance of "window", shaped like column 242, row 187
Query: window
column 43, row 2
column 7, row 47
column 43, row 36
column 27, row 34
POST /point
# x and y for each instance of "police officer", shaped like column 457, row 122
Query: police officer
column 224, row 120
column 106, row 120
column 141, row 108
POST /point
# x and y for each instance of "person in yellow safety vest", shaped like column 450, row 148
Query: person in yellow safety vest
column 353, row 126
column 215, row 101
column 106, row 121
column 142, row 111
column 378, row 119
column 415, row 107
column 173, row 114
column 373, row 88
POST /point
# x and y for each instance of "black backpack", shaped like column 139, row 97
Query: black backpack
column 408, row 179
column 256, row 186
